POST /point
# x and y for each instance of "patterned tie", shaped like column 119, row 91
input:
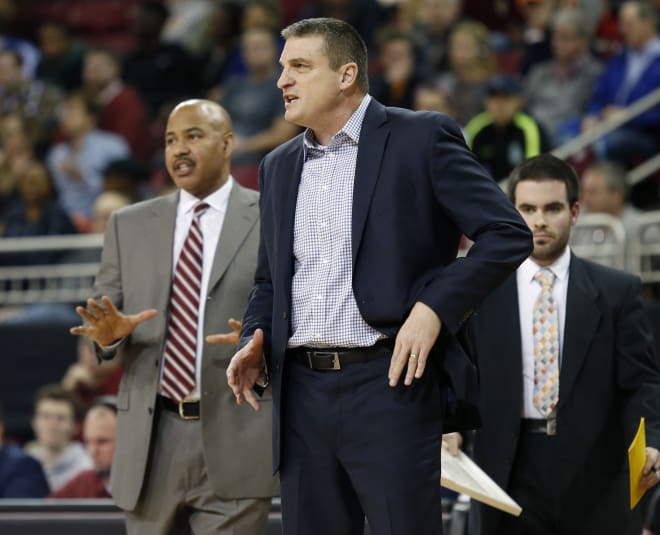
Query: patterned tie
column 546, row 345
column 181, row 346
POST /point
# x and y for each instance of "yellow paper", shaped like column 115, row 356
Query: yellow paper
column 636, row 461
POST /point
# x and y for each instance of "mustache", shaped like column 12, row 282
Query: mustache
column 184, row 159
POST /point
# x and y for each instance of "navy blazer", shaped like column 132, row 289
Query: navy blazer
column 417, row 189
column 21, row 475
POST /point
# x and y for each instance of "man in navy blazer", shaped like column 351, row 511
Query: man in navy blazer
column 362, row 216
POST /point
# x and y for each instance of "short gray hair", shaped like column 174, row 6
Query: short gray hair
column 342, row 44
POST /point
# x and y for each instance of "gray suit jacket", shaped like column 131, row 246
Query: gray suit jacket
column 136, row 273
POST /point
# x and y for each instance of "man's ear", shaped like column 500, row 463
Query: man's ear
column 575, row 212
column 228, row 140
column 349, row 74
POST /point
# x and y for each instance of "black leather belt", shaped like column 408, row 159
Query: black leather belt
column 535, row 425
column 334, row 358
column 187, row 410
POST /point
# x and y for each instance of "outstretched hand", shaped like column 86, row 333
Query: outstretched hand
column 244, row 370
column 227, row 338
column 107, row 325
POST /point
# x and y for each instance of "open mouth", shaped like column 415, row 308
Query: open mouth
column 183, row 167
column 288, row 99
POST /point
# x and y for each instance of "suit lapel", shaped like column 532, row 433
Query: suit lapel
column 582, row 319
column 161, row 244
column 506, row 298
column 373, row 138
column 239, row 219
column 290, row 169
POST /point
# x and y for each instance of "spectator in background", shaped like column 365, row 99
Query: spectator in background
column 35, row 212
column 503, row 136
column 99, row 431
column 256, row 106
column 121, row 110
column 21, row 476
column 163, row 73
column 16, row 154
column 61, row 57
column 54, row 425
column 435, row 20
column 395, row 83
column 558, row 91
column 537, row 16
column 26, row 50
column 78, row 163
column 472, row 64
column 603, row 190
column 629, row 76
column 33, row 100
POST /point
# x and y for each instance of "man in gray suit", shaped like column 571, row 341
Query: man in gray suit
column 188, row 459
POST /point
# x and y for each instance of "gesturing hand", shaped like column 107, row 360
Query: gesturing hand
column 413, row 344
column 108, row 325
column 227, row 338
column 244, row 370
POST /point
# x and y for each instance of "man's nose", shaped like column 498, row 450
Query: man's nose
column 181, row 148
column 284, row 80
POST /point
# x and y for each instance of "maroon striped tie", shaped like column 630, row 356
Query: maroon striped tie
column 181, row 345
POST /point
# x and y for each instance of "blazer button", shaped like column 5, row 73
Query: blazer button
column 208, row 297
column 156, row 363
column 151, row 411
column 284, row 315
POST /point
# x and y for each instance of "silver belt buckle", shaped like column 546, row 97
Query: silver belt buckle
column 551, row 426
column 336, row 365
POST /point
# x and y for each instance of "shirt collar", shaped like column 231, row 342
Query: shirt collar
column 351, row 129
column 650, row 49
column 559, row 267
column 217, row 200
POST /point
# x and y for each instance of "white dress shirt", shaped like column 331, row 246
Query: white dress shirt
column 528, row 291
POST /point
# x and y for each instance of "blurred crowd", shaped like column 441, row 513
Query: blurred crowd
column 86, row 87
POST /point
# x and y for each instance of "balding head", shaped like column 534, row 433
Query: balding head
column 99, row 433
column 213, row 112
column 198, row 146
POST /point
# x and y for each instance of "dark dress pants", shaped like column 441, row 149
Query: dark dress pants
column 354, row 446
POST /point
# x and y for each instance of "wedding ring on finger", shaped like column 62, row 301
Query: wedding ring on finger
column 413, row 356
